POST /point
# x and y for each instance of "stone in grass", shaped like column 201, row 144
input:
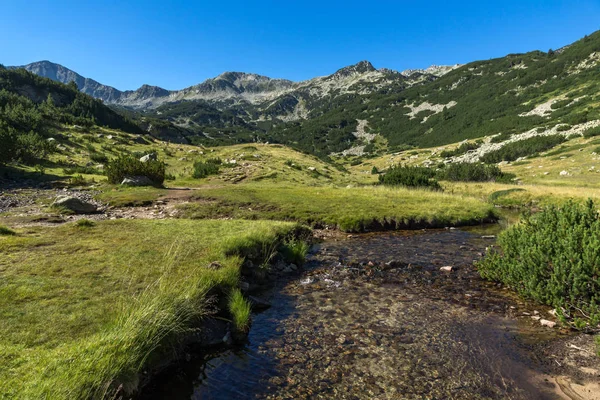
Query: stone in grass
column 137, row 181
column 75, row 205
column 148, row 157
column 549, row 324
column 447, row 268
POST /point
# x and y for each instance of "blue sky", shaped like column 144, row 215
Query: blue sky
column 174, row 44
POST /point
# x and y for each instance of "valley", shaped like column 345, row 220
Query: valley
column 252, row 237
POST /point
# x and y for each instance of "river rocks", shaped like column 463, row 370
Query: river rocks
column 258, row 304
column 75, row 205
column 447, row 268
column 549, row 324
column 137, row 181
column 149, row 157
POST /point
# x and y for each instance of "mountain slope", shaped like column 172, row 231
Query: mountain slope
column 422, row 108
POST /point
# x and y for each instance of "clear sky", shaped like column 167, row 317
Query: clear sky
column 174, row 44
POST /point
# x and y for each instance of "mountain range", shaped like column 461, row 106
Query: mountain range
column 237, row 86
column 361, row 110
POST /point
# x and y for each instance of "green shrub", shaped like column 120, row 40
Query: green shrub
column 563, row 128
column 462, row 149
column 523, row 148
column 473, row 172
column 31, row 147
column 117, row 169
column 202, row 169
column 6, row 231
column 410, row 177
column 240, row 310
column 553, row 257
column 98, row 157
column 591, row 132
column 374, row 171
column 85, row 223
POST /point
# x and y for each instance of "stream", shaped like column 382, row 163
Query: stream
column 373, row 316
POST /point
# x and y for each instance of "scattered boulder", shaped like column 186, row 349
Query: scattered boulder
column 564, row 173
column 137, row 181
column 447, row 268
column 148, row 157
column 74, row 204
column 549, row 324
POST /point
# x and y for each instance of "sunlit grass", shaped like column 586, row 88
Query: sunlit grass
column 83, row 310
column 349, row 208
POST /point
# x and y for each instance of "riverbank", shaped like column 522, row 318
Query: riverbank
column 86, row 308
column 374, row 315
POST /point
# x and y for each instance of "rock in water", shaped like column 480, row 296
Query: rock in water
column 74, row 204
column 137, row 181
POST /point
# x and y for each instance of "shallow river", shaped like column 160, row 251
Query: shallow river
column 372, row 316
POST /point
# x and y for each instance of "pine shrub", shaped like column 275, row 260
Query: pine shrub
column 523, row 148
column 128, row 165
column 552, row 257
column 472, row 172
column 410, row 177
column 202, row 169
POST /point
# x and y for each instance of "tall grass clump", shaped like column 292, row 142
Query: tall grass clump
column 552, row 257
column 473, row 172
column 523, row 148
column 128, row 165
column 240, row 309
column 408, row 176
column 202, row 169
column 294, row 251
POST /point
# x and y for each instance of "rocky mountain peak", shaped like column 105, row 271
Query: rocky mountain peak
column 358, row 68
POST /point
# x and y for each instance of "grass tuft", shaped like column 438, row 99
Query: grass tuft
column 240, row 310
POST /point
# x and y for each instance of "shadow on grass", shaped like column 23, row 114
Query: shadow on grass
column 16, row 178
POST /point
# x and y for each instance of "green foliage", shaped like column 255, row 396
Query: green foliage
column 409, row 176
column 202, row 169
column 462, row 149
column 85, row 223
column 240, row 310
column 117, row 169
column 374, row 170
column 563, row 128
column 294, row 251
column 98, row 157
column 552, row 257
column 473, row 172
column 6, row 231
column 591, row 132
column 523, row 148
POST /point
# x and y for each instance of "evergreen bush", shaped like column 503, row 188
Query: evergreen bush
column 552, row 257
column 117, row 169
column 410, row 177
